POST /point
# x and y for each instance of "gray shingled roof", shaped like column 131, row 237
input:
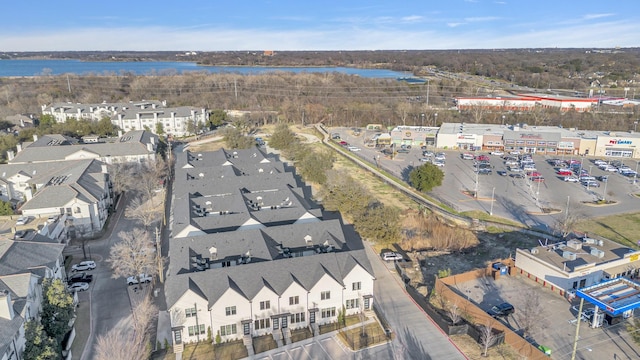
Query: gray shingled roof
column 8, row 330
column 19, row 256
column 132, row 143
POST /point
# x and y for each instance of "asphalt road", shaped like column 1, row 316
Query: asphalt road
column 108, row 297
column 417, row 337
column 515, row 199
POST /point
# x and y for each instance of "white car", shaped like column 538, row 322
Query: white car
column 611, row 169
column 353, row 148
column 424, row 160
column 439, row 163
column 144, row 278
column 78, row 286
column 571, row 179
column 497, row 153
column 389, row 256
column 84, row 266
column 22, row 220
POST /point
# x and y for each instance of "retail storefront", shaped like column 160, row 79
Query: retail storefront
column 528, row 142
column 618, row 146
column 414, row 135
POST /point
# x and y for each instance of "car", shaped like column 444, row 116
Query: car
column 517, row 175
column 402, row 151
column 391, row 256
column 501, row 310
column 78, row 286
column 537, row 179
column 571, row 179
column 80, row 277
column 335, row 136
column 534, row 174
column 599, row 162
column 603, row 178
column 497, row 153
column 484, row 171
column 353, row 148
column 440, row 156
column 22, row 220
column 438, row 163
column 516, row 169
column 467, row 156
column 424, row 160
column 343, row 143
column 20, row 234
column 590, row 183
column 144, row 278
column 501, row 172
column 482, row 158
column 564, row 172
column 52, row 218
column 405, row 146
column 611, row 169
column 514, row 152
column 427, row 153
column 84, row 265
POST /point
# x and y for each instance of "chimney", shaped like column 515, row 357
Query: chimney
column 6, row 307
column 164, row 103
column 18, row 147
column 10, row 155
column 153, row 106
column 104, row 169
column 119, row 133
column 153, row 140
column 150, row 147
column 35, row 137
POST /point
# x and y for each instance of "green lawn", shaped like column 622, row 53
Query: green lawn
column 622, row 228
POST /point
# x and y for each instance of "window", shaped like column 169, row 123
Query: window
column 262, row 324
column 294, row 300
column 356, row 286
column 328, row 312
column 264, row 305
column 353, row 304
column 230, row 310
column 228, row 330
column 325, row 295
column 296, row 318
column 190, row 312
column 196, row 330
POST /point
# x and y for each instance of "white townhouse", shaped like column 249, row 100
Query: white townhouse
column 251, row 255
column 131, row 116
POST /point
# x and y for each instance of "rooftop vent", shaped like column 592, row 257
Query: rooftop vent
column 597, row 253
column 213, row 253
column 569, row 255
column 534, row 251
column 308, row 240
column 588, row 240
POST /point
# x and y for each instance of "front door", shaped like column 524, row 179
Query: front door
column 284, row 322
column 177, row 337
column 367, row 303
column 312, row 317
column 246, row 328
column 275, row 324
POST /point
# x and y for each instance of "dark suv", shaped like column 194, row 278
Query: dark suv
column 502, row 310
column 80, row 277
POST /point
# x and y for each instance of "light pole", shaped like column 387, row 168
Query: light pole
column 635, row 125
column 604, row 193
column 475, row 193
column 538, row 194
column 590, row 166
column 493, row 191
column 503, row 119
column 428, row 83
column 435, row 119
column 422, row 117
column 635, row 176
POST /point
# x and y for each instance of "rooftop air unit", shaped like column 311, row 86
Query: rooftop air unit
column 569, row 255
column 534, row 251
column 574, row 244
column 597, row 253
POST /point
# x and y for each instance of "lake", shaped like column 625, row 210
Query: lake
column 9, row 68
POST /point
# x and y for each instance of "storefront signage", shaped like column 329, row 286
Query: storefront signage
column 619, row 142
column 467, row 137
column 408, row 134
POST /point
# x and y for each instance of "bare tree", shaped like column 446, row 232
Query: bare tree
column 149, row 178
column 144, row 211
column 133, row 255
column 120, row 175
column 487, row 336
column 528, row 317
column 122, row 345
column 455, row 313
column 565, row 224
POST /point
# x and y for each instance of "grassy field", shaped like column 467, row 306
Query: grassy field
column 622, row 228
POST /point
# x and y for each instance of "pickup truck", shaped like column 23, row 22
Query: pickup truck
column 80, row 277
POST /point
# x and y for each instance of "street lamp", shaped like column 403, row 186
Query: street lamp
column 493, row 192
column 604, row 193
column 422, row 117
column 435, row 120
column 635, row 176
column 635, row 125
column 590, row 166
column 475, row 193
column 503, row 119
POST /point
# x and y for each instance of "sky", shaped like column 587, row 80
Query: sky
column 216, row 25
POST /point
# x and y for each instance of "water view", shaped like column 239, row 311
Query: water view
column 9, row 68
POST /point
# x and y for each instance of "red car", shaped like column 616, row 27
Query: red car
column 343, row 143
column 535, row 174
column 482, row 158
column 564, row 172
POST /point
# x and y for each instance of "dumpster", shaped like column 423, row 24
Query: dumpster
column 502, row 268
column 545, row 350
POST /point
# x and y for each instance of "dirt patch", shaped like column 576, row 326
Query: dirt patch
column 473, row 350
column 491, row 247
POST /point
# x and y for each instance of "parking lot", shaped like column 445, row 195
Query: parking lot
column 518, row 199
column 556, row 321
